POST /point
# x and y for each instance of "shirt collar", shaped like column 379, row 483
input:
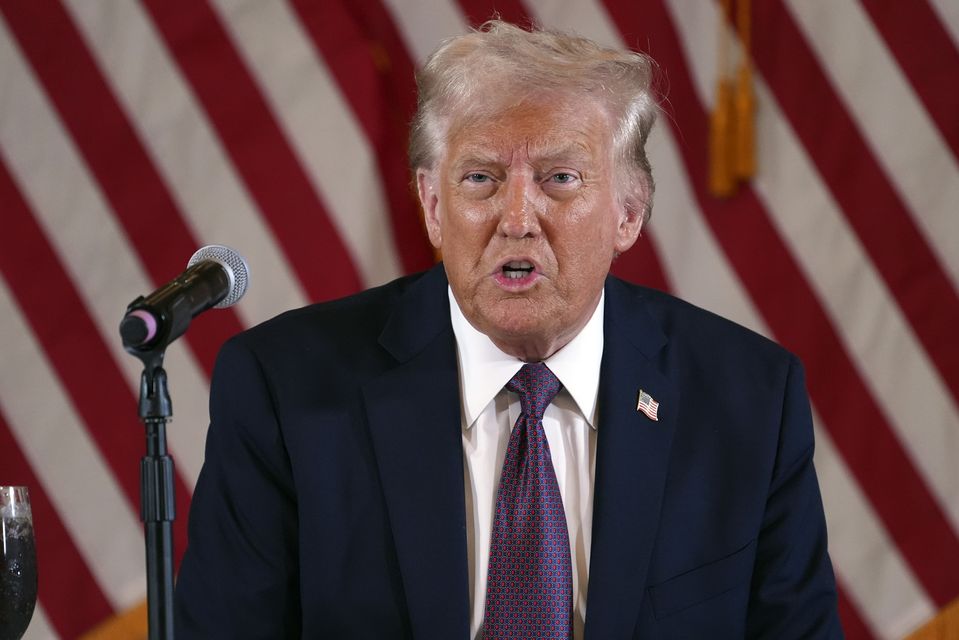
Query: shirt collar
column 484, row 369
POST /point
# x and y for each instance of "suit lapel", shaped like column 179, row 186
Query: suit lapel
column 631, row 464
column 414, row 416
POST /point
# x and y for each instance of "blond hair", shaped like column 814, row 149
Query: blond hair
column 471, row 72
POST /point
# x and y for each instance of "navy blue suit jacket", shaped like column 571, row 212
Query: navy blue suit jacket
column 331, row 502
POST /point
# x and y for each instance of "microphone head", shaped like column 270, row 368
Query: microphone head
column 235, row 266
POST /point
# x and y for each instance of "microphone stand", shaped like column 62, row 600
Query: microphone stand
column 215, row 276
column 157, row 500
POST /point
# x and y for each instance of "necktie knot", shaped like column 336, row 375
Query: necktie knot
column 536, row 386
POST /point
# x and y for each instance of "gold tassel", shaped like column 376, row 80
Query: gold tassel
column 745, row 102
column 722, row 181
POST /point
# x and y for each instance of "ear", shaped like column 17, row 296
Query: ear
column 630, row 224
column 427, row 189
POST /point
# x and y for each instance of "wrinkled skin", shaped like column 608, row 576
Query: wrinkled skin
column 533, row 185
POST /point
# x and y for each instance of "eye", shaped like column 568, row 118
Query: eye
column 477, row 178
column 561, row 183
column 563, row 179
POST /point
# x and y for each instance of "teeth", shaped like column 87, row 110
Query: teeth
column 516, row 269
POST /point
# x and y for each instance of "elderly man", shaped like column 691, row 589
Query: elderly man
column 513, row 444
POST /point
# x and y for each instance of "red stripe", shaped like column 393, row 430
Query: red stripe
column 69, row 593
column 852, row 623
column 256, row 144
column 479, row 11
column 363, row 51
column 642, row 264
column 774, row 280
column 927, row 55
column 113, row 152
column 75, row 349
column 872, row 206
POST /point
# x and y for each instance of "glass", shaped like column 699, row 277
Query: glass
column 18, row 563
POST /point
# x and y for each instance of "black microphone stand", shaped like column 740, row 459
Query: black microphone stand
column 157, row 500
column 215, row 276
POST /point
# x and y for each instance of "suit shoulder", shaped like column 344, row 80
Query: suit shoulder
column 703, row 333
column 346, row 322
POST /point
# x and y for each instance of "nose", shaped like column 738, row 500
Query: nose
column 518, row 216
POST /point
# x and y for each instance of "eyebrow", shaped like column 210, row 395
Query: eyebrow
column 569, row 152
column 477, row 157
column 572, row 151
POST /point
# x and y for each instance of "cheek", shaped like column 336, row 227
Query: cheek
column 589, row 231
column 580, row 212
column 467, row 229
column 468, row 225
column 465, row 208
column 584, row 249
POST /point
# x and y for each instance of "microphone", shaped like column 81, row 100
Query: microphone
column 216, row 276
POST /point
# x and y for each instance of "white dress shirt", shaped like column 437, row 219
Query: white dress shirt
column 489, row 412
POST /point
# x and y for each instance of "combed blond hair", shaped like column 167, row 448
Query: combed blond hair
column 471, row 72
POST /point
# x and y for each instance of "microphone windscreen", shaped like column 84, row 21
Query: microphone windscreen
column 235, row 266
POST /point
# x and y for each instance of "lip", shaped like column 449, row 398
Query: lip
column 516, row 284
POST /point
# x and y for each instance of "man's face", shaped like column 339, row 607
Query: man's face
column 525, row 209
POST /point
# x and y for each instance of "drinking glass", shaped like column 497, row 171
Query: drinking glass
column 18, row 563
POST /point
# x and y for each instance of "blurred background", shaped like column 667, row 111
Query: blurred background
column 132, row 133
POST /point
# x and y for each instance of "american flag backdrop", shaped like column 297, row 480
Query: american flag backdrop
column 133, row 132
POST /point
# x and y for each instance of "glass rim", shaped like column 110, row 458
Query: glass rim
column 15, row 502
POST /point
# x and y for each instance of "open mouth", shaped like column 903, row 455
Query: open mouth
column 517, row 269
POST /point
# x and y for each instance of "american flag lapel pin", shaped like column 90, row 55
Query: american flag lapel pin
column 648, row 406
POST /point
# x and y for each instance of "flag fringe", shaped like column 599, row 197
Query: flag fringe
column 126, row 625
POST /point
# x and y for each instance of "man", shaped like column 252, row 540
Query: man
column 513, row 444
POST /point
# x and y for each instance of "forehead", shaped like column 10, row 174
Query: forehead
column 535, row 129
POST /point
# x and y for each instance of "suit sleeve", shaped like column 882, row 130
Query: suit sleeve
column 239, row 575
column 793, row 591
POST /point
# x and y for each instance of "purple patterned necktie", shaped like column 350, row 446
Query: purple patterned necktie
column 529, row 589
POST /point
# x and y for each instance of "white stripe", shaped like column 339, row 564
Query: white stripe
column 700, row 272
column 67, row 462
column 426, row 23
column 209, row 194
column 888, row 356
column 875, row 574
column 694, row 263
column 893, row 121
column 320, row 126
column 696, row 39
column 948, row 11
column 876, row 579
column 103, row 268
column 40, row 627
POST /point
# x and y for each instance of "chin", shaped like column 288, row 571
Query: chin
column 515, row 317
column 522, row 337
